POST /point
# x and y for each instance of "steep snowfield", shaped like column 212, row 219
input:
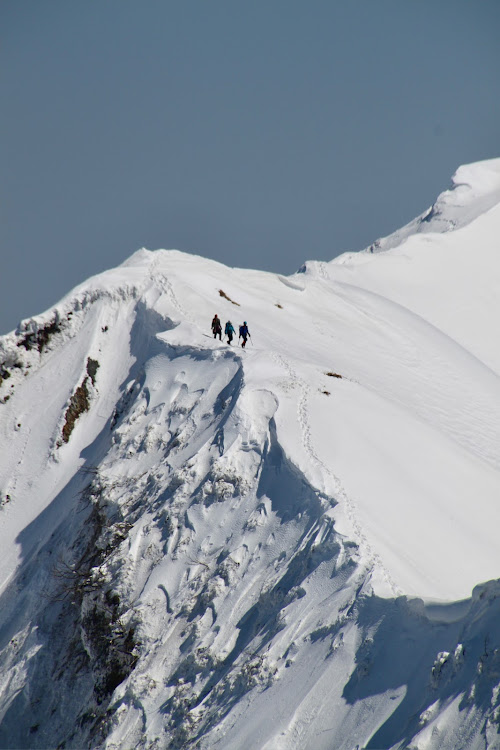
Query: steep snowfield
column 288, row 546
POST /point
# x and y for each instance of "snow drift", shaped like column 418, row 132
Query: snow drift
column 287, row 546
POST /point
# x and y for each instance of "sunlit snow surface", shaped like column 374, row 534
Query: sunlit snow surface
column 292, row 532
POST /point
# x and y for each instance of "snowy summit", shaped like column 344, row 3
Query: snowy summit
column 287, row 546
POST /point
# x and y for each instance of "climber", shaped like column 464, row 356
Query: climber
column 229, row 331
column 244, row 334
column 216, row 327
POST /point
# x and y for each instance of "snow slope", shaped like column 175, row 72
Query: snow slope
column 288, row 546
column 474, row 190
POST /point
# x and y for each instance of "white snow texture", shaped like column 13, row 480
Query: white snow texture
column 287, row 546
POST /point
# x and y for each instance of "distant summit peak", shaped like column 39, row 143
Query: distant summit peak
column 475, row 189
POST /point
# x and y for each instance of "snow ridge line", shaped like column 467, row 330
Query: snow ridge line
column 349, row 504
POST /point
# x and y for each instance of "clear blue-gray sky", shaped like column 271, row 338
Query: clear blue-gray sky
column 259, row 133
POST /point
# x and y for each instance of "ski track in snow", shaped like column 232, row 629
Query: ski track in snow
column 25, row 440
column 161, row 280
column 322, row 271
column 373, row 559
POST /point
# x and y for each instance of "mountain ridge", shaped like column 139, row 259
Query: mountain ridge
column 287, row 546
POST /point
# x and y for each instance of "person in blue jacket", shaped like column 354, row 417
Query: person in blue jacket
column 244, row 334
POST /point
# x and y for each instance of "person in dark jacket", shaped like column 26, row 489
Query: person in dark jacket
column 244, row 334
column 229, row 331
column 216, row 327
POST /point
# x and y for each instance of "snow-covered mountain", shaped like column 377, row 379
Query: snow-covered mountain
column 285, row 547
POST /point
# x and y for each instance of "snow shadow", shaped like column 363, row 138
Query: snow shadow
column 290, row 493
column 54, row 528
column 39, row 624
column 40, row 627
column 234, row 677
column 436, row 662
column 292, row 499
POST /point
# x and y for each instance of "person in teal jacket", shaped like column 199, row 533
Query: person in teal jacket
column 229, row 331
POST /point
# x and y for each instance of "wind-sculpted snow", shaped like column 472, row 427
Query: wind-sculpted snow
column 290, row 546
column 475, row 190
